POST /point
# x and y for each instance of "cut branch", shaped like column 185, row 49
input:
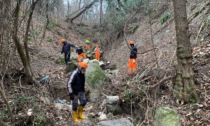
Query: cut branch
column 160, row 82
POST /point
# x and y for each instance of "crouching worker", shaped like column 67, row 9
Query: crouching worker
column 76, row 88
column 81, row 54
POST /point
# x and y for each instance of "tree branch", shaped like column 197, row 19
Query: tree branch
column 125, row 37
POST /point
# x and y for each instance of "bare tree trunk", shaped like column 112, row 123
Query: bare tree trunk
column 5, row 32
column 7, row 104
column 101, row 12
column 47, row 22
column 69, row 8
column 27, row 31
column 17, row 41
column 184, row 85
column 24, row 57
column 80, row 3
column 2, row 123
column 81, row 12
column 151, row 34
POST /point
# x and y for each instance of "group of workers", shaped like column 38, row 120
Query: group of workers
column 66, row 49
column 76, row 81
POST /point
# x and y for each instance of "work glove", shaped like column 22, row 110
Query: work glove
column 71, row 96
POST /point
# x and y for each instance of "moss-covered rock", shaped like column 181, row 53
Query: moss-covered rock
column 165, row 116
column 70, row 67
column 95, row 77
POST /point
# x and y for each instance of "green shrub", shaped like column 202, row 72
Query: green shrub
column 31, row 103
column 165, row 17
column 36, row 33
column 40, row 120
column 60, row 60
column 134, row 28
column 192, row 101
column 51, row 26
column 50, row 40
column 127, row 95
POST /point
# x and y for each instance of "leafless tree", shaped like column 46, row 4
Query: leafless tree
column 184, row 84
column 23, row 53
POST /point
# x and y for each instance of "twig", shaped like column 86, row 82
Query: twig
column 172, row 58
column 125, row 38
column 146, row 78
column 22, row 87
column 160, row 82
column 201, row 27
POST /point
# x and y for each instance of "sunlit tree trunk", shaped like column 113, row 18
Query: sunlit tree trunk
column 184, row 85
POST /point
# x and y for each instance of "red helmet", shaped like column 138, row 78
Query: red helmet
column 63, row 40
column 131, row 42
column 83, row 65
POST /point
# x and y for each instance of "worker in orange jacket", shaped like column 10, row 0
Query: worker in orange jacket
column 87, row 42
column 97, row 52
column 81, row 54
column 132, row 64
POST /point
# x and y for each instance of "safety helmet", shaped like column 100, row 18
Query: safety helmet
column 83, row 65
column 131, row 42
column 63, row 40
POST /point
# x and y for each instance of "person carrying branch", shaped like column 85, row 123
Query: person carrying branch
column 66, row 49
column 81, row 54
column 132, row 64
column 76, row 89
column 97, row 52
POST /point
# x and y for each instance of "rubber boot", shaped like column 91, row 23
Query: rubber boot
column 75, row 116
column 80, row 112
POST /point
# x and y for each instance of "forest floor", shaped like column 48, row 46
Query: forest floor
column 45, row 60
column 192, row 114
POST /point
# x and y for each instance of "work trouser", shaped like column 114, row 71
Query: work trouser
column 81, row 98
column 87, row 46
column 97, row 55
column 67, row 57
column 132, row 64
column 80, row 56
